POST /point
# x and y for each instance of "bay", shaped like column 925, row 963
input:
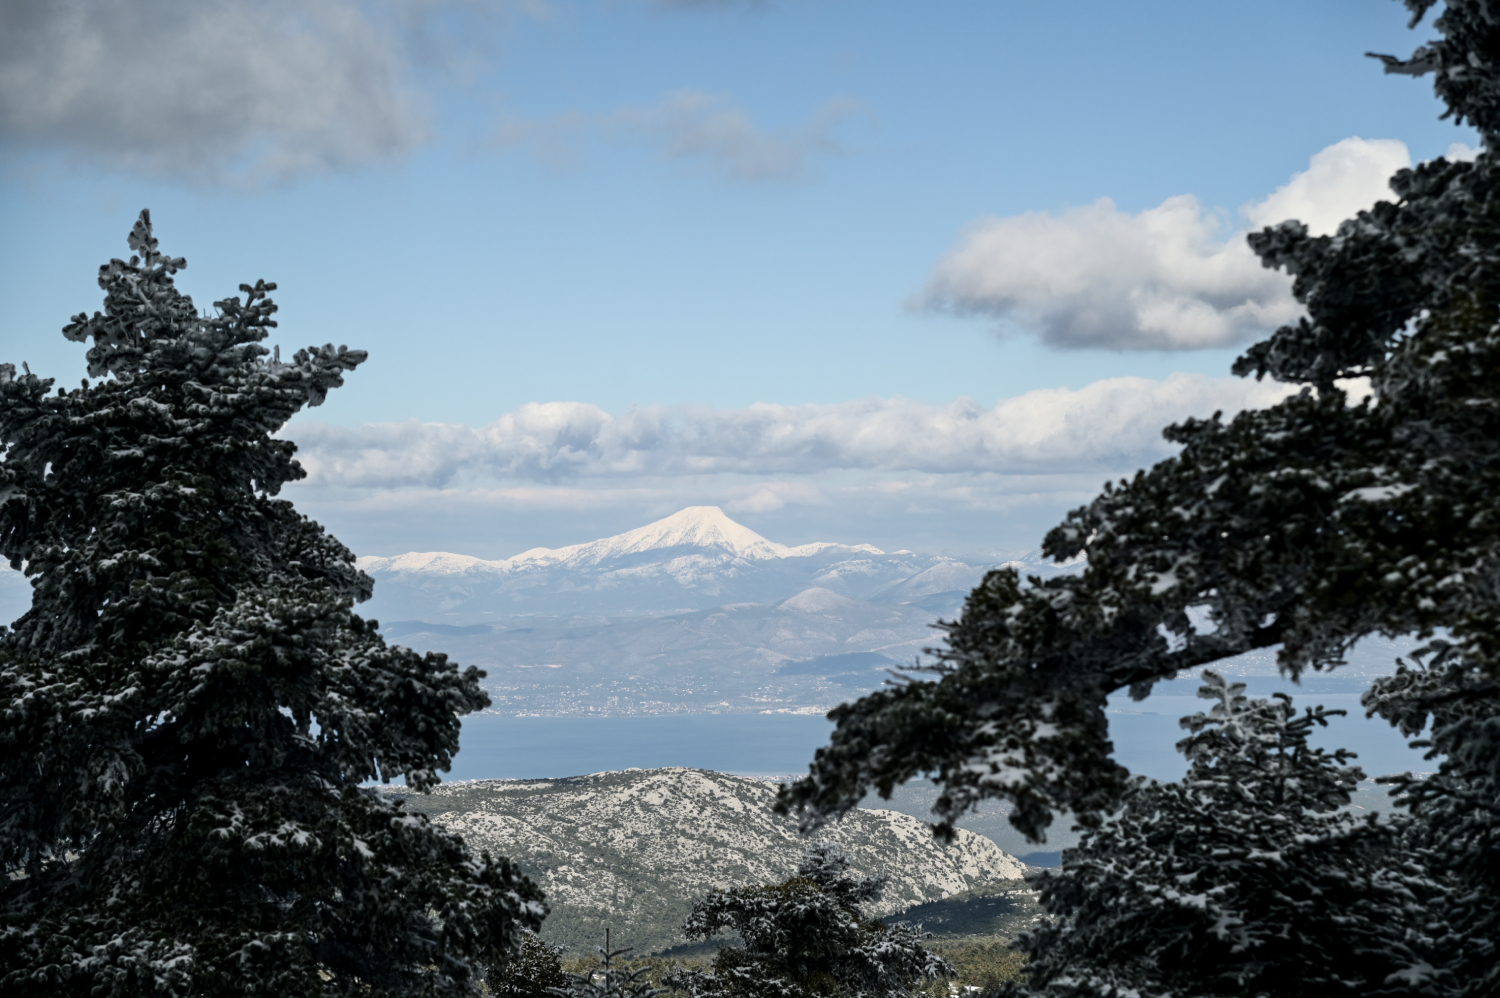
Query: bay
column 494, row 747
column 1145, row 734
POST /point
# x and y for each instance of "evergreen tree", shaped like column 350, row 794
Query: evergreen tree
column 1305, row 526
column 534, row 972
column 1458, row 807
column 807, row 936
column 1243, row 878
column 610, row 979
column 190, row 706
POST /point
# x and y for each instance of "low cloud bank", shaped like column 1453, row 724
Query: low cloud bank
column 1106, row 424
column 978, row 516
column 1173, row 277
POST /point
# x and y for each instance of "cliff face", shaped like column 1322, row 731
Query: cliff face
column 632, row 850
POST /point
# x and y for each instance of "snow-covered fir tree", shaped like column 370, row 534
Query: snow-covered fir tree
column 1458, row 808
column 806, row 937
column 612, row 977
column 1304, row 527
column 191, row 707
column 534, row 971
column 1243, row 878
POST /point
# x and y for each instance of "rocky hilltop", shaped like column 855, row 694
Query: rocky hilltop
column 632, row 850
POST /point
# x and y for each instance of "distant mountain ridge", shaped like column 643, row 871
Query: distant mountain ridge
column 703, row 527
column 631, row 850
column 695, row 559
column 690, row 613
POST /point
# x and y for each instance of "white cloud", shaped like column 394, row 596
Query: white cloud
column 227, row 89
column 763, row 500
column 1341, row 181
column 254, row 91
column 1173, row 277
column 966, row 515
column 1107, row 424
column 776, row 495
column 193, row 86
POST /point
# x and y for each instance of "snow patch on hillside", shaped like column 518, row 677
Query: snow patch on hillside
column 819, row 601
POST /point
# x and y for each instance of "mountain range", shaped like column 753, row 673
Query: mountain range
column 690, row 613
column 693, row 612
column 695, row 559
column 632, row 850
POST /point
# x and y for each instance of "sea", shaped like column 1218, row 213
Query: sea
column 780, row 746
column 1144, row 733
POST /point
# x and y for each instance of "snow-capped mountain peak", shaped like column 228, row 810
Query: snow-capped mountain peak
column 696, row 526
column 705, row 528
column 427, row 563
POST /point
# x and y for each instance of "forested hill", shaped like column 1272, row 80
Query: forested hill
column 631, row 850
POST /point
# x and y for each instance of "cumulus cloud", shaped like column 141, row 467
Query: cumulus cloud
column 1173, row 277
column 1340, row 182
column 980, row 516
column 774, row 496
column 222, row 89
column 261, row 90
column 694, row 126
column 195, row 86
column 1107, row 424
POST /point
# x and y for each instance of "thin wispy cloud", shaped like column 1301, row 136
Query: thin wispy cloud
column 1112, row 423
column 691, row 126
column 1174, row 277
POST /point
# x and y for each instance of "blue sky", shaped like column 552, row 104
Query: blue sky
column 851, row 215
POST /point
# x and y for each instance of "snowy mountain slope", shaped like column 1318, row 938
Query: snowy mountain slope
column 694, row 559
column 632, row 850
column 703, row 527
column 944, row 577
column 692, row 612
column 706, row 528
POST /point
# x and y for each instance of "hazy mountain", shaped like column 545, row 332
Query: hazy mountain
column 689, row 613
column 693, row 560
column 632, row 850
column 693, row 612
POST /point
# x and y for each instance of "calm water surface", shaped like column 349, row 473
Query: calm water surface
column 1144, row 733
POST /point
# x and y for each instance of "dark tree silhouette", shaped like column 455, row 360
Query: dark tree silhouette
column 1305, row 526
column 191, row 707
